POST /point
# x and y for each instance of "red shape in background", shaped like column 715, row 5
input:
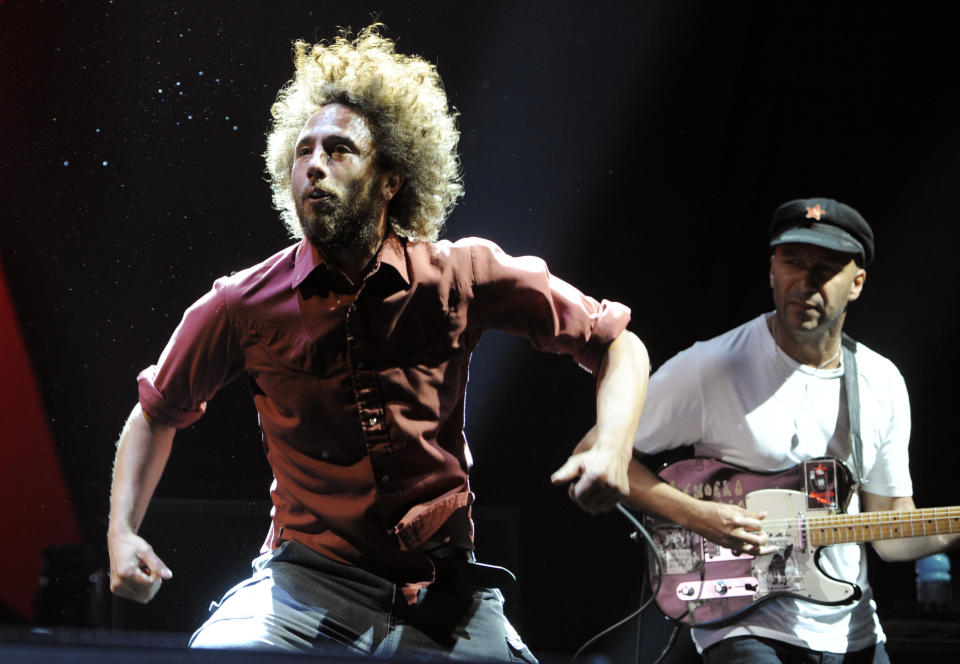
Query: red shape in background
column 35, row 509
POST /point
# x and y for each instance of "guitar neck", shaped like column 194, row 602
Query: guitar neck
column 870, row 526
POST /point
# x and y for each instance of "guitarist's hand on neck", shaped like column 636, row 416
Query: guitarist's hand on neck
column 908, row 548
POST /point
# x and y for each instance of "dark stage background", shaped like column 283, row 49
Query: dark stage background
column 639, row 148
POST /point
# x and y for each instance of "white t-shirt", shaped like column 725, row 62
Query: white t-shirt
column 741, row 399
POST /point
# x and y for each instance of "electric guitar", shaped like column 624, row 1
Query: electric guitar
column 706, row 584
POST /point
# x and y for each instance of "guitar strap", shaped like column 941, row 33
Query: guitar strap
column 852, row 390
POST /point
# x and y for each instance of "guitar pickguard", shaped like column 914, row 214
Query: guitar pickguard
column 704, row 583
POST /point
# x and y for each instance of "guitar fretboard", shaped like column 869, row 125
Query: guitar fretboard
column 870, row 526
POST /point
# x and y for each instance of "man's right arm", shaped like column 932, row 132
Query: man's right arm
column 728, row 525
column 136, row 572
column 672, row 418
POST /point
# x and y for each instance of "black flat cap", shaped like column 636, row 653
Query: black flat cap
column 826, row 223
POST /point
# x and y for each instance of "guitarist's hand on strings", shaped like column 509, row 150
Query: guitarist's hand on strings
column 731, row 526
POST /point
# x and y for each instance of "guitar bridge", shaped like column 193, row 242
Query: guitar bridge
column 714, row 553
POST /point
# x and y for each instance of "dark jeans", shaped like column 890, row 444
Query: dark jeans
column 755, row 650
column 299, row 600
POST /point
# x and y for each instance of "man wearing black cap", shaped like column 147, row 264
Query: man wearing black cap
column 769, row 395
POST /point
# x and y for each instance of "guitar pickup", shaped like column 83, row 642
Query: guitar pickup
column 742, row 586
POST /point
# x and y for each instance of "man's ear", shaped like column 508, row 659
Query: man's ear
column 857, row 286
column 391, row 185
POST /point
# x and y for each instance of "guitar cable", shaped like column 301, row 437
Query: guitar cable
column 651, row 546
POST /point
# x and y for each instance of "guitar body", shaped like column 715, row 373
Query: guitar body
column 707, row 584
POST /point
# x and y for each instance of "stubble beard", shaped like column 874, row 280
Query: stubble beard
column 808, row 330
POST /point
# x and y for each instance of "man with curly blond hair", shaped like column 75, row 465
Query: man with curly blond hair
column 356, row 341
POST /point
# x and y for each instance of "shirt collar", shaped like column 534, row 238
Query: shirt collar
column 309, row 258
column 394, row 253
column 306, row 259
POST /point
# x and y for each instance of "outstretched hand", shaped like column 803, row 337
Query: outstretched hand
column 597, row 476
column 136, row 572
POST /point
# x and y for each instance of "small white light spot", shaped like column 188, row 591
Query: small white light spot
column 103, row 163
column 66, row 163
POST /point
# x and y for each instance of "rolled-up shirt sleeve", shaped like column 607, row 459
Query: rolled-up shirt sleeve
column 202, row 356
column 520, row 296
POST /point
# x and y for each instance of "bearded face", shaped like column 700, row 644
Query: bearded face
column 338, row 186
column 341, row 220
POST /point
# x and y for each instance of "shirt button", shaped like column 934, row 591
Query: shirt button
column 385, row 479
column 361, row 365
column 373, row 421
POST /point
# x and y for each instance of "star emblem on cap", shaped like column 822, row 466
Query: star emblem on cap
column 814, row 212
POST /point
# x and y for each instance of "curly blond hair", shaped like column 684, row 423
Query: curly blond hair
column 401, row 97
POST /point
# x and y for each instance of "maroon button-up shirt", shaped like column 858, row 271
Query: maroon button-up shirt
column 360, row 387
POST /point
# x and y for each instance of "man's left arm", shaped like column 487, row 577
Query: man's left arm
column 908, row 548
column 597, row 469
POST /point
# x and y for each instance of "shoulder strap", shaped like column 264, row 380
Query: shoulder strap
column 851, row 387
